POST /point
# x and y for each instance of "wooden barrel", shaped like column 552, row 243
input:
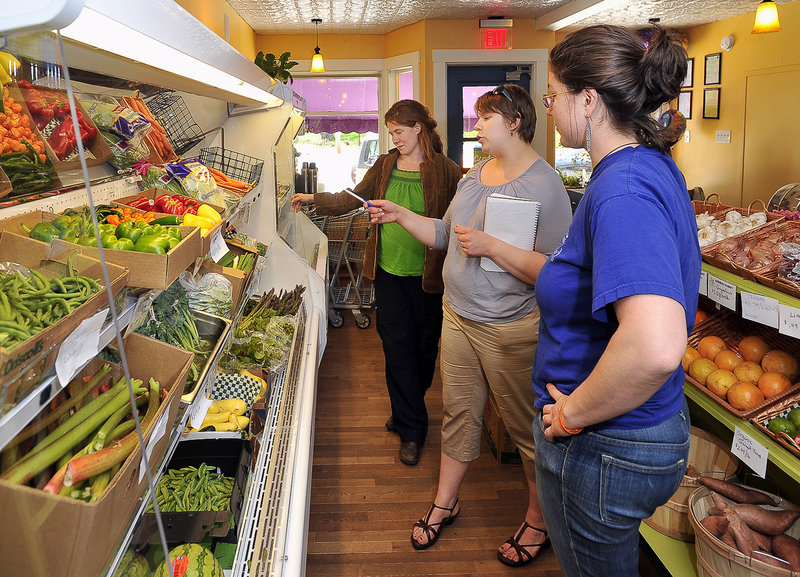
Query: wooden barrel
column 707, row 456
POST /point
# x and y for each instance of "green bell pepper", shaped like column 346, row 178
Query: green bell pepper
column 123, row 244
column 109, row 240
column 63, row 221
column 153, row 243
column 175, row 233
column 43, row 231
column 87, row 241
column 106, row 228
column 127, row 230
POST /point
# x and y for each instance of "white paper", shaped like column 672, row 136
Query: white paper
column 159, row 431
column 722, row 292
column 704, row 283
column 79, row 347
column 199, row 411
column 789, row 321
column 142, row 311
column 218, row 247
column 760, row 308
column 751, row 452
column 512, row 220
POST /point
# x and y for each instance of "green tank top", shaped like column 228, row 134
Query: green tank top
column 399, row 253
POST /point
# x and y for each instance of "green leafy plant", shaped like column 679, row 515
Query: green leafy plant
column 570, row 181
column 278, row 67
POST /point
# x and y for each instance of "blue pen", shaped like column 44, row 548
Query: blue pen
column 354, row 195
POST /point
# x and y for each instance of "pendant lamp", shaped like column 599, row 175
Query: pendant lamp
column 766, row 18
column 316, row 61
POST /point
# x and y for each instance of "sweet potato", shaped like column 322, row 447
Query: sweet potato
column 787, row 548
column 727, row 538
column 745, row 541
column 716, row 525
column 736, row 492
column 767, row 521
column 764, row 541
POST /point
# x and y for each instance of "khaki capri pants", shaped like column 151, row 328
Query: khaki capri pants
column 474, row 355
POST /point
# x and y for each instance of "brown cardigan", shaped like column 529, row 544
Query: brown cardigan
column 440, row 177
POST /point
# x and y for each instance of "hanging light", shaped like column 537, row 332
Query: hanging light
column 766, row 18
column 316, row 61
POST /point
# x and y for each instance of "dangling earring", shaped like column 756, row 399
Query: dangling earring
column 588, row 134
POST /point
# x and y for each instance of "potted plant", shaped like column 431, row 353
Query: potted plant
column 277, row 68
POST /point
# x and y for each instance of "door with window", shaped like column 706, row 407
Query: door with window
column 465, row 84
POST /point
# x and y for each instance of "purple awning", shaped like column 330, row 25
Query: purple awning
column 340, row 100
column 361, row 123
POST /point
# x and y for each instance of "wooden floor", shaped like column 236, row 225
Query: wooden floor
column 364, row 500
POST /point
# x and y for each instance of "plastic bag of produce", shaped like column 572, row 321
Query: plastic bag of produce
column 125, row 154
column 197, row 182
column 154, row 176
column 209, row 292
column 112, row 116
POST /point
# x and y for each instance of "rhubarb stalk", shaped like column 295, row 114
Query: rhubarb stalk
column 90, row 465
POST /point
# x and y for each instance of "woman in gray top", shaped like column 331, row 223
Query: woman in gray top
column 491, row 322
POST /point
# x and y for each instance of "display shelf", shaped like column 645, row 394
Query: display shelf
column 744, row 285
column 23, row 413
column 678, row 557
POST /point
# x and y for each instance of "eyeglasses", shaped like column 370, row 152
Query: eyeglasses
column 504, row 91
column 548, row 99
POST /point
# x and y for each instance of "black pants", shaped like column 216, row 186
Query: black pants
column 409, row 322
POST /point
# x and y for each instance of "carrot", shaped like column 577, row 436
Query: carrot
column 787, row 548
column 736, row 492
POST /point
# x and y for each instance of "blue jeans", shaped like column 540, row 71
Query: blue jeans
column 596, row 487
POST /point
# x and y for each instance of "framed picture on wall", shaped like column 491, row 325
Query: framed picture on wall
column 689, row 80
column 713, row 68
column 685, row 104
column 711, row 103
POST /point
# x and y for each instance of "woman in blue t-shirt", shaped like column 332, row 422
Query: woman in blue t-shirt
column 617, row 300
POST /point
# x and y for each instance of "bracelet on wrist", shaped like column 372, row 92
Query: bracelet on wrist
column 561, row 422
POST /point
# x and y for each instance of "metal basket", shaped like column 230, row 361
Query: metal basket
column 172, row 113
column 233, row 164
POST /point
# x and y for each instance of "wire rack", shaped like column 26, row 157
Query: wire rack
column 171, row 112
column 233, row 164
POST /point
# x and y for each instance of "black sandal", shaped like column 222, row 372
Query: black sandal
column 523, row 555
column 432, row 531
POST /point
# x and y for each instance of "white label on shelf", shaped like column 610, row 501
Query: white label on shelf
column 722, row 292
column 199, row 410
column 750, row 451
column 760, row 308
column 141, row 312
column 218, row 247
column 704, row 283
column 159, row 431
column 790, row 321
column 79, row 347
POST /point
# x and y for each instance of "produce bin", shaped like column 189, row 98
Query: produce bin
column 780, row 409
column 233, row 164
column 46, row 534
column 171, row 112
column 214, row 329
column 239, row 278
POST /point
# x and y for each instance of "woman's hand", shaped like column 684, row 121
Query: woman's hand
column 382, row 211
column 552, row 428
column 298, row 200
column 473, row 242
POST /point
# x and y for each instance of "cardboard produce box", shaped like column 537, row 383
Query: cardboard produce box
column 239, row 278
column 21, row 366
column 147, row 270
column 46, row 534
column 500, row 444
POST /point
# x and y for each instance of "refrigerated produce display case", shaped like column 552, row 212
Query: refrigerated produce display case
column 217, row 110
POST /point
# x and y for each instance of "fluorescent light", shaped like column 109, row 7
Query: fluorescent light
column 99, row 31
column 573, row 12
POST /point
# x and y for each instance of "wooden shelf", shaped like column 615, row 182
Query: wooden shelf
column 678, row 557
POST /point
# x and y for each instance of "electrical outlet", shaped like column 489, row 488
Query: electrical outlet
column 686, row 136
column 723, row 137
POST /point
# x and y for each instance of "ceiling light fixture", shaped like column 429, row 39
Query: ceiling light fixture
column 766, row 18
column 316, row 61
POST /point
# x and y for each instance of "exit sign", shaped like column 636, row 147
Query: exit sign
column 496, row 37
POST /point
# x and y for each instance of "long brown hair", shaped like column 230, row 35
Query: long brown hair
column 411, row 112
column 632, row 80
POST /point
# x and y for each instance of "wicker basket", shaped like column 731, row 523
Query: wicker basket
column 715, row 558
column 772, row 218
column 716, row 257
column 781, row 409
column 708, row 205
column 731, row 329
column 708, row 455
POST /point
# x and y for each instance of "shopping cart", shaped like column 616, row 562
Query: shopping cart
column 347, row 242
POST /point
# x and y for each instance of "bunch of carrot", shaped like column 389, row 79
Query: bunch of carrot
column 15, row 127
column 230, row 183
column 158, row 136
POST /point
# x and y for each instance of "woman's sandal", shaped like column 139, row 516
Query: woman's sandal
column 432, row 531
column 523, row 555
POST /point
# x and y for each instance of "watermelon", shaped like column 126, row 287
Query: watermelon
column 190, row 560
column 132, row 565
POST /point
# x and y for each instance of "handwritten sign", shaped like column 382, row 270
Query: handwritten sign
column 704, row 283
column 760, row 309
column 752, row 453
column 199, row 411
column 79, row 347
column 722, row 292
column 789, row 321
column 218, row 247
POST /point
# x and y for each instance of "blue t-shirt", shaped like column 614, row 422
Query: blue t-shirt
column 634, row 232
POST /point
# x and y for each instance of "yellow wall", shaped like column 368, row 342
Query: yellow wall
column 334, row 46
column 212, row 14
column 765, row 59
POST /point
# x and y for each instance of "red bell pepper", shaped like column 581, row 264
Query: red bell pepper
column 142, row 202
column 169, row 205
column 187, row 200
column 63, row 140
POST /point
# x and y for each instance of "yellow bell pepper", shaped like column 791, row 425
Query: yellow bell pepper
column 206, row 211
column 194, row 220
column 8, row 65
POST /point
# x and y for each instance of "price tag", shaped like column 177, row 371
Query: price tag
column 159, row 431
column 704, row 283
column 722, row 292
column 218, row 247
column 751, row 452
column 760, row 308
column 142, row 311
column 199, row 411
column 790, row 321
column 79, row 347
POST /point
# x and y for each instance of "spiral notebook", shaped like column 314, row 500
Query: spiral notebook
column 512, row 220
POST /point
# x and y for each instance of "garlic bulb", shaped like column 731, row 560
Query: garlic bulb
column 704, row 220
column 706, row 236
column 733, row 216
column 758, row 218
